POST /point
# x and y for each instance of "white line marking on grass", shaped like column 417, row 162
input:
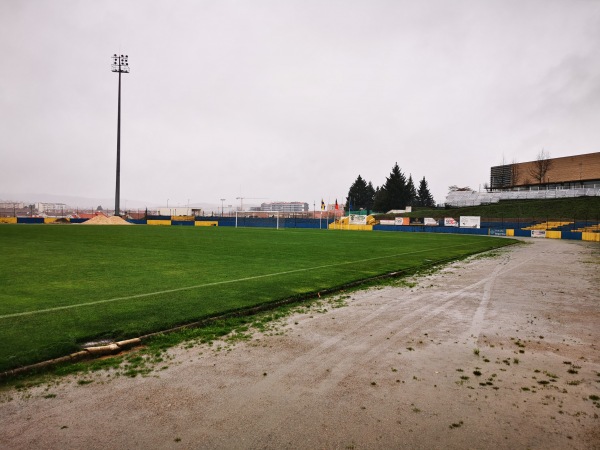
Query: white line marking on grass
column 216, row 283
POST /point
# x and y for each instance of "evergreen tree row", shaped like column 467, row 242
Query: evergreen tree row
column 396, row 193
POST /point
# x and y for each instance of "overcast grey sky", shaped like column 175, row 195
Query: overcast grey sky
column 289, row 100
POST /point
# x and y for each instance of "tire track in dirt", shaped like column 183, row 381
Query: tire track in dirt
column 478, row 318
column 342, row 351
column 393, row 332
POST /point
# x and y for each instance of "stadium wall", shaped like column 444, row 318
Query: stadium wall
column 489, row 228
column 270, row 222
column 518, row 232
column 431, row 229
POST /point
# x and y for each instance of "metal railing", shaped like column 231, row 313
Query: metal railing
column 471, row 198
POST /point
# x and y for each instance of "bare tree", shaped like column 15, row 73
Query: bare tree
column 506, row 179
column 455, row 188
column 515, row 173
column 541, row 166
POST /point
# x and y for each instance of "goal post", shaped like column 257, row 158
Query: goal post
column 275, row 214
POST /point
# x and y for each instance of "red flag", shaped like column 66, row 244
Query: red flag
column 337, row 207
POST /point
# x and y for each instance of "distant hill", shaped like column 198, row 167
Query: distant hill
column 70, row 200
column 87, row 202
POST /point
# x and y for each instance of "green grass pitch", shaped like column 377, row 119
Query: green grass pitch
column 64, row 285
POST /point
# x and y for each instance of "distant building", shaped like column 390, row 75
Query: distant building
column 565, row 177
column 285, row 207
column 330, row 210
column 14, row 209
column 51, row 207
column 180, row 211
column 11, row 205
column 569, row 172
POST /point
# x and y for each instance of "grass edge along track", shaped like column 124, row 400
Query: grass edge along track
column 59, row 280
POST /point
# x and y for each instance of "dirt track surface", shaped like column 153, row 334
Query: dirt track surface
column 384, row 371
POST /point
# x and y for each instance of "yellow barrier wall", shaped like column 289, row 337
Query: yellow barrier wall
column 592, row 228
column 206, row 223
column 8, row 220
column 510, row 232
column 159, row 222
column 553, row 234
column 50, row 219
column 593, row 237
column 183, row 218
column 345, row 226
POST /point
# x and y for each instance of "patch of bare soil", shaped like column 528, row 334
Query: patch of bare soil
column 495, row 352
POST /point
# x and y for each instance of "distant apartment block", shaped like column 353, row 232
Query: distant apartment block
column 285, row 207
column 51, row 207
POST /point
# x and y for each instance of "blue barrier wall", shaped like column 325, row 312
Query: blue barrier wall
column 226, row 221
column 491, row 228
column 30, row 220
column 183, row 222
column 505, row 225
column 430, row 229
column 159, row 217
column 270, row 222
column 574, row 235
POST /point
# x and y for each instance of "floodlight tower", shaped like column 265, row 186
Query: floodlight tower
column 120, row 65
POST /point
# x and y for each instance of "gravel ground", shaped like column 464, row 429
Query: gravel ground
column 499, row 351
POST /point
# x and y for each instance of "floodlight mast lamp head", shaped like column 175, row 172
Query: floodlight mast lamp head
column 120, row 64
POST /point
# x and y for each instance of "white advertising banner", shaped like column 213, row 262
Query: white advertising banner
column 430, row 221
column 470, row 221
column 387, row 222
column 450, row 222
column 357, row 219
column 538, row 233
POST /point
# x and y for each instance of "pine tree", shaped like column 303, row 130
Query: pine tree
column 393, row 193
column 376, row 199
column 370, row 197
column 380, row 201
column 411, row 192
column 424, row 197
column 358, row 195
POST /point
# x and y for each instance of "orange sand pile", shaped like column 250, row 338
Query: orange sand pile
column 103, row 220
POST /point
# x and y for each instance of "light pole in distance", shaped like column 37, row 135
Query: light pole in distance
column 120, row 65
